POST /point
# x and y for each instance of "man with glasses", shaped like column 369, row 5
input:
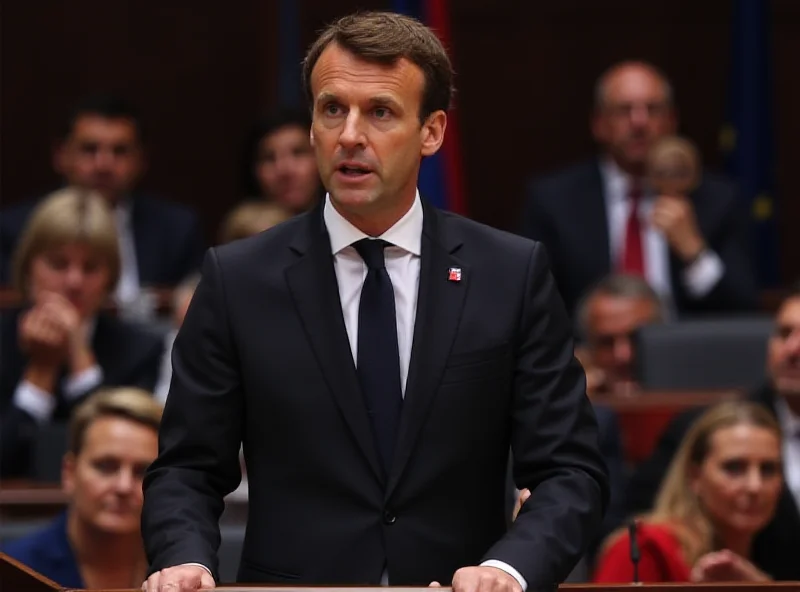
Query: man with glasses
column 603, row 216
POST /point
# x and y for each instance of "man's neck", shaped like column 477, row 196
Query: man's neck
column 376, row 222
column 636, row 170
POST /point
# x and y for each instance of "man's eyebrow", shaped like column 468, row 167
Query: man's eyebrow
column 326, row 96
column 384, row 101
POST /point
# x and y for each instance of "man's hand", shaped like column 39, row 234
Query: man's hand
column 482, row 579
column 726, row 566
column 181, row 578
column 674, row 216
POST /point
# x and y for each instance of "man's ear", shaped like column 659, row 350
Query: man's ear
column 311, row 136
column 433, row 132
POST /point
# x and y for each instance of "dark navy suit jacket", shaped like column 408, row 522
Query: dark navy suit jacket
column 49, row 553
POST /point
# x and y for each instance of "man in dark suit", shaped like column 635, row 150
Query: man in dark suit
column 377, row 358
column 160, row 241
column 775, row 548
column 602, row 216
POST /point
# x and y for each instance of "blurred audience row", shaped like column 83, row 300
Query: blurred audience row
column 631, row 243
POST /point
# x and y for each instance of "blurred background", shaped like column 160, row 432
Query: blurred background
column 201, row 72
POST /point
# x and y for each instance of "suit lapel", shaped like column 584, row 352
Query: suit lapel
column 312, row 282
column 439, row 306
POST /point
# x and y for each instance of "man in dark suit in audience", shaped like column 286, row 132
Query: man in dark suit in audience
column 775, row 549
column 101, row 149
column 607, row 318
column 377, row 357
column 602, row 216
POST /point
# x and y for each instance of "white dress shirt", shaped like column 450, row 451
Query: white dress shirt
column 790, row 425
column 128, row 288
column 698, row 279
column 403, row 267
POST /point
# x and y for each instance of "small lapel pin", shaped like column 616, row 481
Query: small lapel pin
column 454, row 274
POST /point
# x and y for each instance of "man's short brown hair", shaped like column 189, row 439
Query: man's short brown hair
column 385, row 38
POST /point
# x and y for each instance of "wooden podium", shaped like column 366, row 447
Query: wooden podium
column 16, row 577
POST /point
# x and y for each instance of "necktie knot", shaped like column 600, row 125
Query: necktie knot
column 371, row 251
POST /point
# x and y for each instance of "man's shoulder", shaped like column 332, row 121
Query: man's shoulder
column 166, row 209
column 16, row 214
column 567, row 179
column 717, row 187
column 489, row 240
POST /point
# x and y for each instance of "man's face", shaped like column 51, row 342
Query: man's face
column 634, row 113
column 101, row 154
column 104, row 480
column 783, row 358
column 367, row 135
column 612, row 322
column 286, row 169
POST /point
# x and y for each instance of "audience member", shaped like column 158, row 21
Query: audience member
column 775, row 549
column 279, row 163
column 601, row 216
column 61, row 346
column 608, row 317
column 251, row 218
column 96, row 543
column 181, row 297
column 721, row 490
column 102, row 150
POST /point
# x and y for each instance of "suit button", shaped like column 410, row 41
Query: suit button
column 388, row 517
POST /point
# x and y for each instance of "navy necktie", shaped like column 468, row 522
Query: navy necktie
column 378, row 363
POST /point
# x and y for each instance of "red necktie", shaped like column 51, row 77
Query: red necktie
column 633, row 254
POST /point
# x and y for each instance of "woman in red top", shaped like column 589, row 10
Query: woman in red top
column 721, row 490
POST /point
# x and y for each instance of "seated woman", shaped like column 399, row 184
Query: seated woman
column 722, row 488
column 60, row 347
column 279, row 163
column 97, row 543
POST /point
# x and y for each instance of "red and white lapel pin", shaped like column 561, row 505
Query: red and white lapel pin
column 454, row 274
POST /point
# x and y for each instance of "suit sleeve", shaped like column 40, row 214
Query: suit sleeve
column 200, row 436
column 736, row 290
column 18, row 434
column 554, row 442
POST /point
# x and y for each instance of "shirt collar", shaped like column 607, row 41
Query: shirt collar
column 406, row 232
column 790, row 423
column 616, row 182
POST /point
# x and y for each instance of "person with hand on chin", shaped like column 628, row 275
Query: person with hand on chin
column 60, row 346
column 373, row 356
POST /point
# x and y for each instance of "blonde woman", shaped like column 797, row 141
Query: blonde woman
column 97, row 542
column 250, row 218
column 722, row 488
column 61, row 346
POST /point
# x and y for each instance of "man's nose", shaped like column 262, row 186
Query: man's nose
column 352, row 135
column 623, row 350
column 640, row 115
column 104, row 159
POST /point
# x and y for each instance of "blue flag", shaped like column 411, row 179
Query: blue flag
column 747, row 138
